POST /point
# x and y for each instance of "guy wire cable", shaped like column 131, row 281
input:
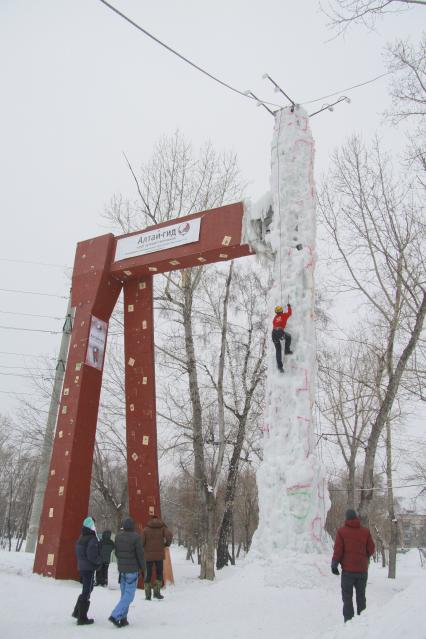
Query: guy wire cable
column 182, row 57
column 245, row 94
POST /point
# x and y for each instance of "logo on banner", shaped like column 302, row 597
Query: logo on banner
column 183, row 228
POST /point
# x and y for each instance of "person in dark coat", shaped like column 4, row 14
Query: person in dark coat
column 88, row 560
column 155, row 537
column 353, row 548
column 130, row 560
column 106, row 546
column 278, row 334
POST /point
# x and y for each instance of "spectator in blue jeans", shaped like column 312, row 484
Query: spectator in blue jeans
column 130, row 561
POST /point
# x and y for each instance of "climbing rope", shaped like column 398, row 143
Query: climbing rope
column 279, row 203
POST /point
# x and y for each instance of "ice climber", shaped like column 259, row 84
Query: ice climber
column 131, row 562
column 279, row 334
column 155, row 537
column 106, row 546
column 88, row 560
column 352, row 549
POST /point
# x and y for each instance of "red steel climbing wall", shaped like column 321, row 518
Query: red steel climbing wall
column 98, row 277
column 94, row 292
column 141, row 430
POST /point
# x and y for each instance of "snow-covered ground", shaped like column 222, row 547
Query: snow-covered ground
column 246, row 601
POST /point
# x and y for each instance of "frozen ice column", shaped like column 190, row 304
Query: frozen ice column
column 293, row 501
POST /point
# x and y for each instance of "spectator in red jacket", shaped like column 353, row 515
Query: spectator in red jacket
column 352, row 549
column 279, row 334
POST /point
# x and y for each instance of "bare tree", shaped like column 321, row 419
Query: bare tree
column 408, row 84
column 343, row 13
column 347, row 402
column 174, row 182
column 18, row 469
column 246, row 509
column 246, row 350
column 377, row 229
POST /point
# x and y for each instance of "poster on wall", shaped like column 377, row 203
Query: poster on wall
column 97, row 341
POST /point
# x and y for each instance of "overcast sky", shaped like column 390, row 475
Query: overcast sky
column 79, row 86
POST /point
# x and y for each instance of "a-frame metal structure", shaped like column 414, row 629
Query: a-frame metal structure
column 103, row 267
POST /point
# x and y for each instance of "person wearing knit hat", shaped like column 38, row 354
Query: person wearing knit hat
column 350, row 514
column 88, row 561
column 130, row 562
column 353, row 548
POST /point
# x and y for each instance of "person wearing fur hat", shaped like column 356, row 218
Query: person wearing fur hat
column 130, row 561
column 155, row 537
column 353, row 548
column 88, row 561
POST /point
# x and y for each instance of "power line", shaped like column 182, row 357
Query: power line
column 16, row 393
column 22, row 375
column 30, row 315
column 26, row 355
column 182, row 57
column 355, row 86
column 31, row 330
column 379, row 488
column 30, row 368
column 6, row 259
column 13, row 290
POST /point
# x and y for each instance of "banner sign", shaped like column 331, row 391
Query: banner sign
column 96, row 344
column 160, row 239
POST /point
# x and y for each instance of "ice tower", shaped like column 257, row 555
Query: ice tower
column 293, row 497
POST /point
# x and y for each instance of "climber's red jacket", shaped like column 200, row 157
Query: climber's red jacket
column 353, row 546
column 280, row 319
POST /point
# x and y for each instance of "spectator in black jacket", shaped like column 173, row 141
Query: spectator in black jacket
column 106, row 546
column 130, row 561
column 88, row 560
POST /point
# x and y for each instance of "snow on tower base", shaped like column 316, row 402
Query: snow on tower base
column 293, row 497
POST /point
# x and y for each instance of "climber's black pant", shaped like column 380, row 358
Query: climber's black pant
column 279, row 334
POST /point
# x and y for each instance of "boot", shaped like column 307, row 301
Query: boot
column 116, row 622
column 124, row 622
column 76, row 608
column 157, row 593
column 82, row 616
column 148, row 591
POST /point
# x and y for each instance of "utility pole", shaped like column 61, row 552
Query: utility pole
column 52, row 416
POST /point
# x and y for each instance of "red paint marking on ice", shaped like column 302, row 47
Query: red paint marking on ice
column 296, row 487
column 301, row 123
column 305, row 387
column 307, row 421
column 311, row 261
column 316, row 523
column 320, row 570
